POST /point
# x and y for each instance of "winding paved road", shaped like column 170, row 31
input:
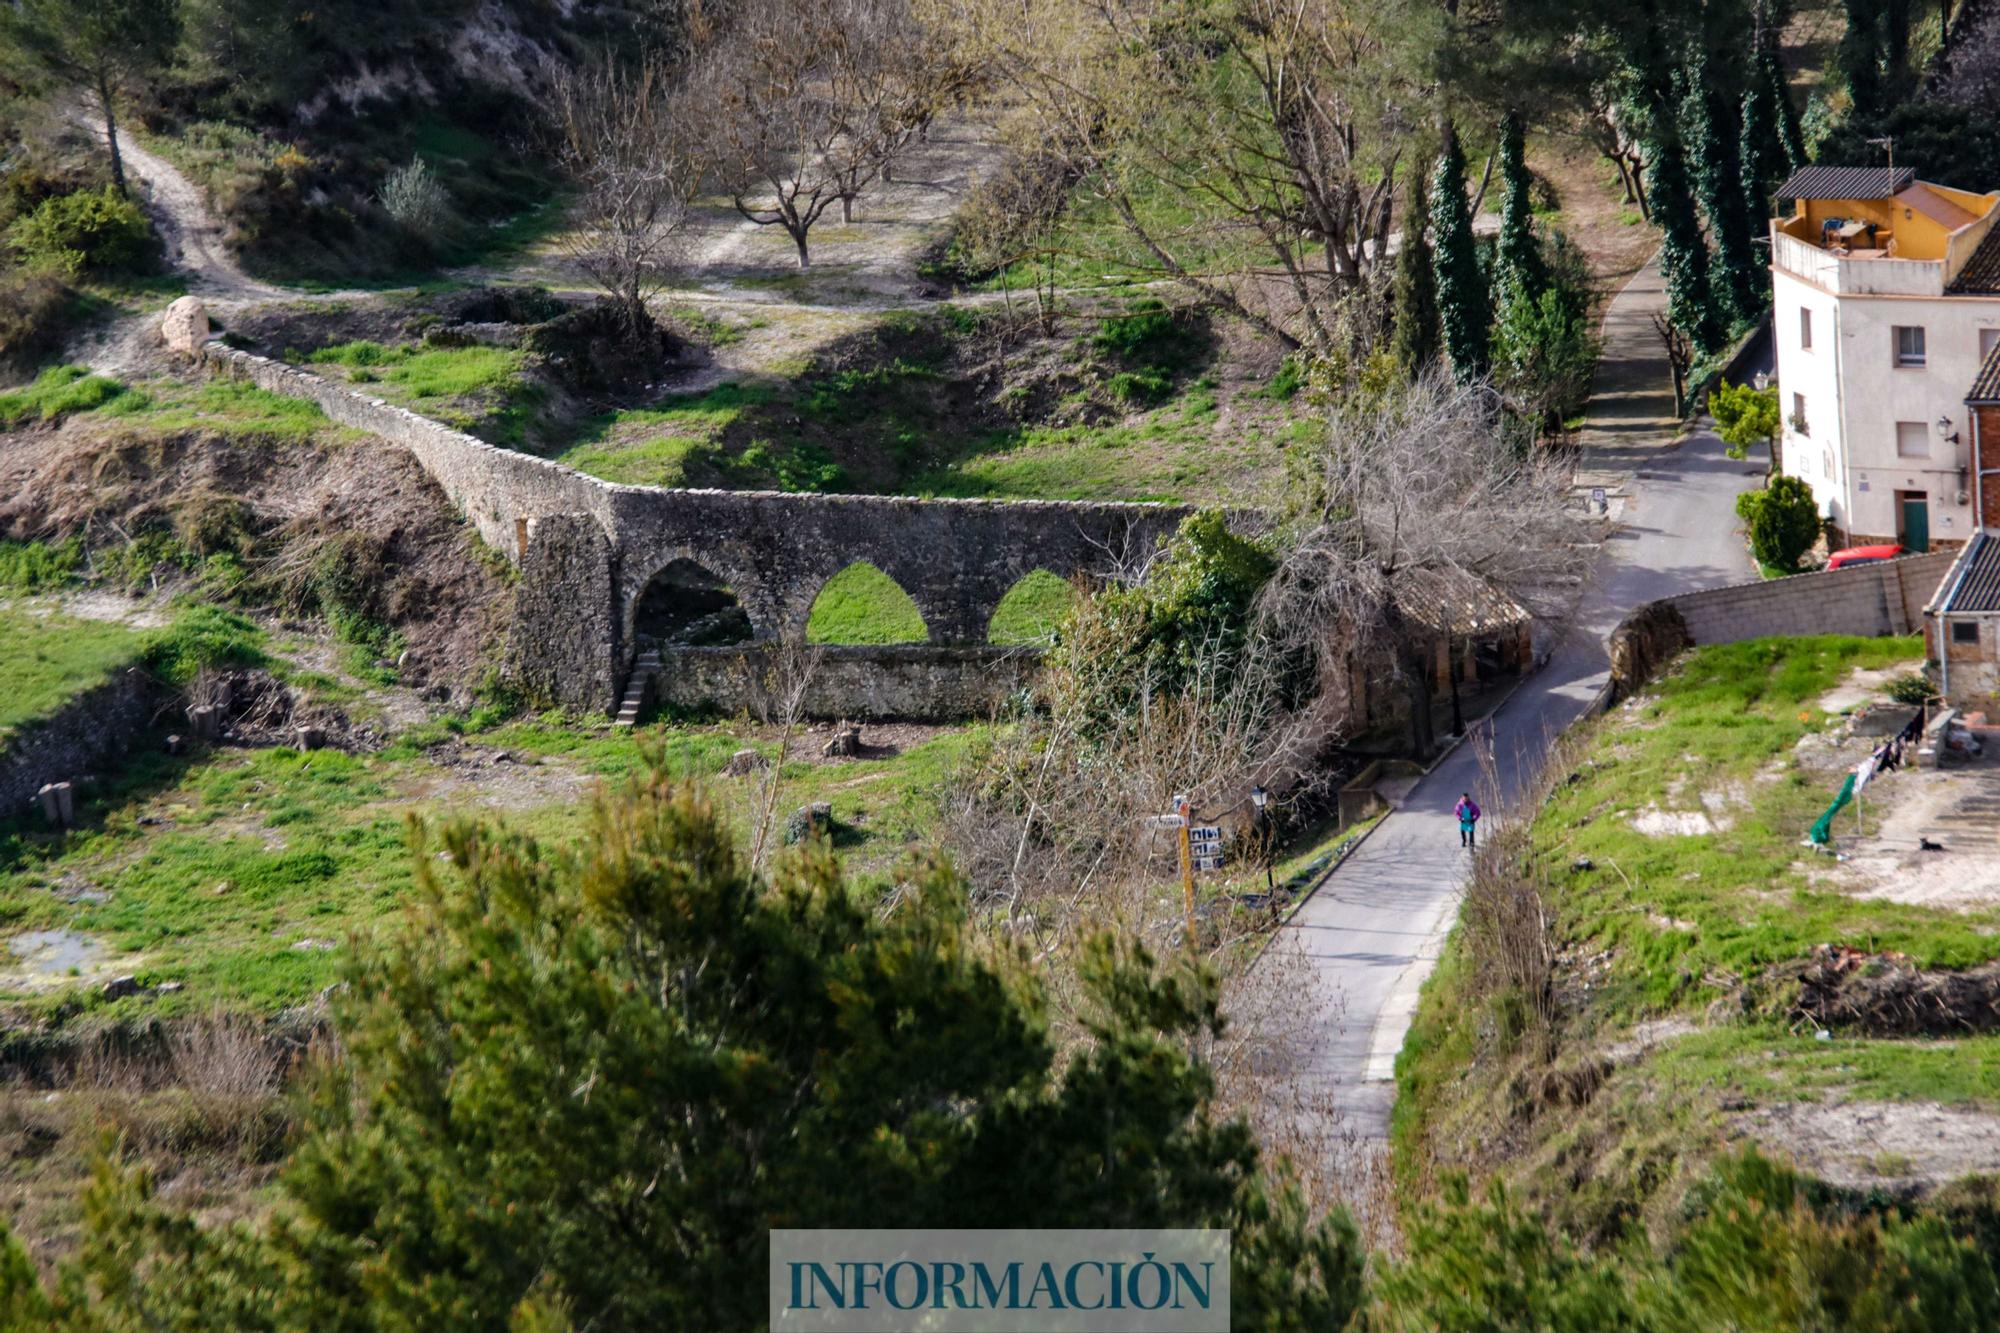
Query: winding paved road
column 1371, row 932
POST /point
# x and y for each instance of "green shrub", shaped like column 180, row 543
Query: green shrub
column 1783, row 520
column 1911, row 688
column 96, row 231
column 204, row 636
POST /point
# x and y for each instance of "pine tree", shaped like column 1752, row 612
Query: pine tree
column 1520, row 265
column 1416, row 309
column 1463, row 313
column 1714, row 129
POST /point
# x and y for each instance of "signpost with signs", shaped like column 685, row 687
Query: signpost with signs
column 1205, row 840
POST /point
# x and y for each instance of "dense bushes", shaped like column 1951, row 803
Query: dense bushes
column 88, row 231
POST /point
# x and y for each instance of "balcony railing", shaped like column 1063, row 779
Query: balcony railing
column 1839, row 273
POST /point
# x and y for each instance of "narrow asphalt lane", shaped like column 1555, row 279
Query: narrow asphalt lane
column 1370, row 933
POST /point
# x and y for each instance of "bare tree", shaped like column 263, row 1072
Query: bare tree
column 1251, row 155
column 628, row 141
column 814, row 98
column 1413, row 509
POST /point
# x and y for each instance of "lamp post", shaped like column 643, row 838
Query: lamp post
column 1258, row 798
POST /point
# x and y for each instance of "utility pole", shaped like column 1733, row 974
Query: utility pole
column 1185, row 811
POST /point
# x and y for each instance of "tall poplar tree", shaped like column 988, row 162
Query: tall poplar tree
column 1464, row 315
column 1415, row 296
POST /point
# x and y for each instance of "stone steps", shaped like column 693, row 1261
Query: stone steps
column 637, row 686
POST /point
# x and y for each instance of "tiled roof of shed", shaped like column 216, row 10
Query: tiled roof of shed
column 1974, row 581
column 1981, row 273
column 1845, row 183
column 1986, row 384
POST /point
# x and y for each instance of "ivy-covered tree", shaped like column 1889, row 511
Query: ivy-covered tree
column 1464, row 313
column 1715, row 137
column 1684, row 256
column 1791, row 132
column 1415, row 292
column 1518, row 263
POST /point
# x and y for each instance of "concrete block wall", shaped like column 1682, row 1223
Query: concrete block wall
column 69, row 744
column 1871, row 600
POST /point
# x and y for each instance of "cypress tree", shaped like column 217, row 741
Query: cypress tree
column 1716, row 133
column 1463, row 314
column 1683, row 250
column 1520, row 263
column 1416, row 308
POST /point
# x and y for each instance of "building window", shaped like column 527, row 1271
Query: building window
column 1987, row 339
column 1805, row 328
column 1909, row 345
column 1965, row 631
column 1913, row 440
column 1799, row 414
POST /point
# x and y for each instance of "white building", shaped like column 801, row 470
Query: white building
column 1886, row 301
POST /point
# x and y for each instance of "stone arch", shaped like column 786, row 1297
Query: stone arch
column 686, row 604
column 860, row 604
column 1030, row 609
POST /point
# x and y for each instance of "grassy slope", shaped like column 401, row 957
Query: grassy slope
column 254, row 862
column 1684, row 928
column 45, row 660
column 226, row 406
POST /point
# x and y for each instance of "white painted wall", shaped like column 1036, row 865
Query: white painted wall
column 1856, row 394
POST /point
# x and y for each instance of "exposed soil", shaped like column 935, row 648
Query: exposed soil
column 1886, row 995
column 1957, row 810
column 427, row 581
column 1905, row 1148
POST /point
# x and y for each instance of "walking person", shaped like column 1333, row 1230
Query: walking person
column 1467, row 811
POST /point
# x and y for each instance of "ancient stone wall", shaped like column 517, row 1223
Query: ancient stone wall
column 70, row 744
column 955, row 558
column 912, row 683
column 562, row 646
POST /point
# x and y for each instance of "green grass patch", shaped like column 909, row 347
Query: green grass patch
column 57, row 392
column 861, row 604
column 46, row 660
column 480, row 389
column 1032, row 611
column 252, row 870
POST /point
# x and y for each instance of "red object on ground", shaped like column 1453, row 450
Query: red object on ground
column 1862, row 555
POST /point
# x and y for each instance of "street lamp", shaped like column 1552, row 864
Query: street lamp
column 1258, row 798
column 1762, row 379
column 1945, row 432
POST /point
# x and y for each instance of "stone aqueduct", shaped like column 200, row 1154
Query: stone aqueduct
column 589, row 550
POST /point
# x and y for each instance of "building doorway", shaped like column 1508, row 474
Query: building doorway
column 1913, row 521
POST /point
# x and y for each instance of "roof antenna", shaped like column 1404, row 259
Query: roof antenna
column 1889, row 144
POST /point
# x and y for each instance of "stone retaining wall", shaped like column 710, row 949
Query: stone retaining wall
column 910, row 683
column 70, row 744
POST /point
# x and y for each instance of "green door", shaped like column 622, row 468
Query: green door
column 1916, row 524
